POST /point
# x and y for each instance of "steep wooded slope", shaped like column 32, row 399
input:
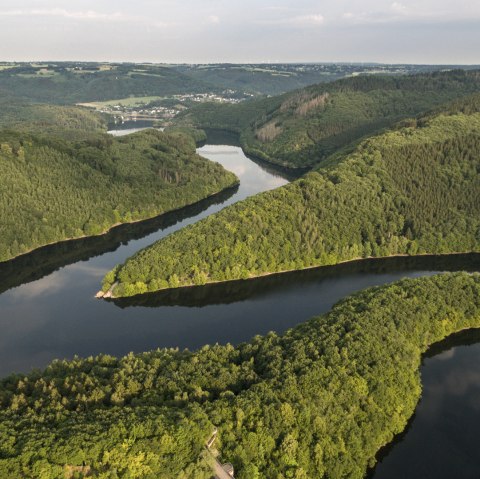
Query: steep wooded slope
column 302, row 128
column 412, row 190
column 53, row 188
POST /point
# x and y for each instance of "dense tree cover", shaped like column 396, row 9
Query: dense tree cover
column 318, row 401
column 44, row 261
column 199, row 136
column 222, row 116
column 302, row 128
column 22, row 115
column 412, row 190
column 264, row 79
column 71, row 82
column 80, row 82
column 230, row 292
column 52, row 189
column 278, row 78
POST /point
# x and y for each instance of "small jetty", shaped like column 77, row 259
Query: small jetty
column 108, row 294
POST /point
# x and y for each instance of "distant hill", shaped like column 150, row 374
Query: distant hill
column 302, row 128
column 412, row 190
column 87, row 82
column 84, row 82
column 278, row 78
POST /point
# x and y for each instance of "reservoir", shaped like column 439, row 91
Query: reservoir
column 48, row 311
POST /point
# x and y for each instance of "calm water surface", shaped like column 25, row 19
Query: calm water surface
column 442, row 440
column 48, row 310
column 131, row 127
column 56, row 316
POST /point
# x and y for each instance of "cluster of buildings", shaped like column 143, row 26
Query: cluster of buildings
column 228, row 96
column 156, row 111
column 123, row 113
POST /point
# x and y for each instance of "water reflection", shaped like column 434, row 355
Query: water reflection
column 235, row 291
column 441, row 441
column 221, row 137
column 128, row 127
column 255, row 177
column 44, row 261
column 48, row 310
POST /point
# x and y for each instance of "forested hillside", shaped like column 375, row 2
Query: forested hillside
column 302, row 128
column 318, row 401
column 265, row 79
column 53, row 188
column 85, row 82
column 412, row 190
column 19, row 114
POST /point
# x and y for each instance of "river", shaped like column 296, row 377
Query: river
column 48, row 310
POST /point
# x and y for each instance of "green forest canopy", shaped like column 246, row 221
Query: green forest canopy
column 412, row 190
column 302, row 128
column 67, row 121
column 53, row 187
column 317, row 401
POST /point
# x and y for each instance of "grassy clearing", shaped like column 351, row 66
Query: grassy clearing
column 128, row 102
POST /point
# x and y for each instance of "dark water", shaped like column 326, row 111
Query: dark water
column 47, row 311
column 442, row 440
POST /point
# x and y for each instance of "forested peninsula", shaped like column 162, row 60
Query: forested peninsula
column 412, row 190
column 21, row 115
column 303, row 128
column 59, row 183
column 318, row 401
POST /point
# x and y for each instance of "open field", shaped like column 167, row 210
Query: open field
column 128, row 102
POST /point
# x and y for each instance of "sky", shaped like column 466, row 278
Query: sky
column 237, row 31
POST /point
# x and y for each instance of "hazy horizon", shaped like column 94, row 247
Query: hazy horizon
column 319, row 62
column 423, row 32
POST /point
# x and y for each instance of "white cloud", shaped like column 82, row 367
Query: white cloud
column 86, row 15
column 46, row 286
column 401, row 12
column 219, row 30
column 313, row 19
column 94, row 271
column 214, row 19
column 59, row 12
column 399, row 8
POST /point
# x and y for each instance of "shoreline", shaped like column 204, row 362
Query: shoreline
column 116, row 225
column 264, row 275
column 385, row 448
column 297, row 171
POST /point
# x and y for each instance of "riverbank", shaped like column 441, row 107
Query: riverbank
column 385, row 198
column 71, row 190
column 36, row 289
column 234, row 138
column 346, row 382
column 279, row 273
column 119, row 224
